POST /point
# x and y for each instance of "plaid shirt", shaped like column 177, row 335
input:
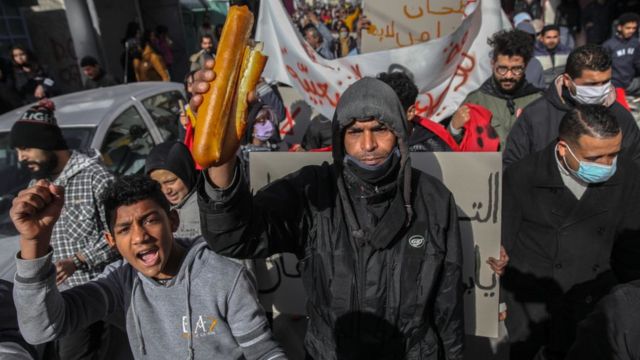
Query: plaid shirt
column 82, row 222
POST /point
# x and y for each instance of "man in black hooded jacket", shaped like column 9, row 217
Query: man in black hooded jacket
column 378, row 241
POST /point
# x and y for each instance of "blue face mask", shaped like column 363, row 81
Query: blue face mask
column 591, row 172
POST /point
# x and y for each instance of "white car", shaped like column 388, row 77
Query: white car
column 122, row 122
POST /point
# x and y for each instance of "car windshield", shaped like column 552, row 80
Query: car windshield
column 15, row 178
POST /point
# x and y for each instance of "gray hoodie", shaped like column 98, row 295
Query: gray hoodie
column 208, row 310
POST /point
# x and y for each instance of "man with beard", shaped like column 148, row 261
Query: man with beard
column 80, row 251
column 378, row 241
column 586, row 80
column 206, row 52
column 507, row 91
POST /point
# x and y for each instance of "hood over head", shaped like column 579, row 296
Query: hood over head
column 370, row 98
column 175, row 157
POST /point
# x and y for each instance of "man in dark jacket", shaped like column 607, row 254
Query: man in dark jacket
column 378, row 241
column 564, row 208
column 625, row 52
column 587, row 80
column 611, row 332
column 551, row 53
column 507, row 91
column 96, row 76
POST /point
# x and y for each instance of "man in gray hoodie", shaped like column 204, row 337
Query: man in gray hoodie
column 178, row 301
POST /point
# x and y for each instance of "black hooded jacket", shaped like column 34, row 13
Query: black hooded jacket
column 539, row 122
column 381, row 263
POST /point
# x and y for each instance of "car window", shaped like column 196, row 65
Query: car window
column 165, row 111
column 127, row 143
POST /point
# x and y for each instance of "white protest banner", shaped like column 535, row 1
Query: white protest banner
column 396, row 24
column 445, row 70
column 475, row 181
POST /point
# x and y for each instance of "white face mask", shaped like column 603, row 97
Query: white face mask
column 595, row 95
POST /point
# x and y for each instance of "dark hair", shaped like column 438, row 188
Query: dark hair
column 31, row 58
column 161, row 30
column 591, row 120
column 403, row 86
column 88, row 61
column 128, row 190
column 587, row 57
column 512, row 43
column 313, row 28
column 627, row 18
column 551, row 27
column 145, row 39
column 210, row 37
column 132, row 31
column 190, row 75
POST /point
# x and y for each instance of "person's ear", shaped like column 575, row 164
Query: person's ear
column 174, row 220
column 566, row 81
column 411, row 112
column 562, row 148
column 109, row 239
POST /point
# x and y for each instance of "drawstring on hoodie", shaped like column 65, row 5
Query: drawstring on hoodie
column 136, row 283
column 188, row 305
column 143, row 349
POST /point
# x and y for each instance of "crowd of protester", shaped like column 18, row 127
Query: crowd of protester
column 144, row 259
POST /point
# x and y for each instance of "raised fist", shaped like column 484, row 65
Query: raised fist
column 36, row 209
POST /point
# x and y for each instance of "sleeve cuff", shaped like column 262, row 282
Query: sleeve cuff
column 454, row 131
column 217, row 194
column 35, row 270
column 89, row 261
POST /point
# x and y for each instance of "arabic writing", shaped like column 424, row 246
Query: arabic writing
column 493, row 203
column 419, row 24
column 474, row 281
column 317, row 91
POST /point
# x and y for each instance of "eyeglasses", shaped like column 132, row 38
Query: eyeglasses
column 516, row 70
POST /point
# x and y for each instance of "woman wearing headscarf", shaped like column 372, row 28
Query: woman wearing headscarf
column 171, row 164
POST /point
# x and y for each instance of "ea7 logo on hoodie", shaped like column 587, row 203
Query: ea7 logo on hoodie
column 203, row 327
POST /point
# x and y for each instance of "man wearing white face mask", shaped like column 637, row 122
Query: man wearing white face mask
column 564, row 208
column 586, row 80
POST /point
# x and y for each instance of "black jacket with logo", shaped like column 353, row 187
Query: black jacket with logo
column 379, row 286
column 561, row 249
